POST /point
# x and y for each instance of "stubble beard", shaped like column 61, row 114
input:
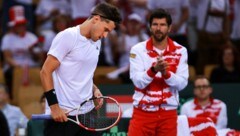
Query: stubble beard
column 159, row 38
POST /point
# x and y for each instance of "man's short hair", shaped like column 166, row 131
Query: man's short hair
column 160, row 13
column 201, row 77
column 107, row 11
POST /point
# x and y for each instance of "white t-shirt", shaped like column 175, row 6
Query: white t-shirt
column 174, row 7
column 82, row 8
column 78, row 57
column 213, row 24
column 236, row 22
column 19, row 47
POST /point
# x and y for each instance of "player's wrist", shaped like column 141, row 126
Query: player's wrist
column 51, row 97
column 153, row 69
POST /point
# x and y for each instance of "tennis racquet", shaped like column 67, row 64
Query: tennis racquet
column 91, row 118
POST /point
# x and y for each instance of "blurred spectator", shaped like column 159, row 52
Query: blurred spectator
column 203, row 105
column 18, row 45
column 60, row 23
column 15, row 118
column 29, row 14
column 213, row 30
column 228, row 70
column 4, row 129
column 179, row 11
column 81, row 10
column 235, row 35
column 37, row 126
column 192, row 32
column 109, row 53
column 134, row 34
column 47, row 10
column 139, row 7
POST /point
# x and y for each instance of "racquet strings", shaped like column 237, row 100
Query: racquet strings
column 100, row 118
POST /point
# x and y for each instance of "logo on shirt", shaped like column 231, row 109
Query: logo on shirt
column 132, row 55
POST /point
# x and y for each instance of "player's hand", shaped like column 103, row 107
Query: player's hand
column 58, row 114
column 161, row 65
column 99, row 102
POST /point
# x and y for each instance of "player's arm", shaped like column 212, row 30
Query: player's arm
column 49, row 66
column 222, row 118
column 9, row 59
column 97, row 93
column 140, row 76
column 178, row 80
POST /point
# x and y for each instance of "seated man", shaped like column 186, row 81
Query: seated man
column 203, row 105
column 15, row 118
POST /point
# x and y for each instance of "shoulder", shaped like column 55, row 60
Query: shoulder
column 31, row 35
column 7, row 36
column 139, row 47
column 218, row 69
column 219, row 103
column 68, row 34
column 188, row 104
column 180, row 47
column 70, row 30
column 14, row 108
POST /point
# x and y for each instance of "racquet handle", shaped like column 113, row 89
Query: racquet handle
column 41, row 117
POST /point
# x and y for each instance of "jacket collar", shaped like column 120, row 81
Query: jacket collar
column 199, row 106
column 171, row 47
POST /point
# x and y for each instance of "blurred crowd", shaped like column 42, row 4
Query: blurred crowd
column 205, row 27
column 209, row 29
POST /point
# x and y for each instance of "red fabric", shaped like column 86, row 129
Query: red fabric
column 210, row 111
column 159, row 123
column 78, row 21
column 16, row 16
column 233, row 133
column 151, row 73
column 201, row 127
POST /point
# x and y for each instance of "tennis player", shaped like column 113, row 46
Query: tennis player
column 159, row 70
column 67, row 74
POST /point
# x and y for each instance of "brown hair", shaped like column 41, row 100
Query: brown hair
column 107, row 11
column 201, row 77
column 235, row 52
column 160, row 13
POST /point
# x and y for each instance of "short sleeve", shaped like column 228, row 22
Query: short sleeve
column 62, row 44
column 32, row 39
column 5, row 43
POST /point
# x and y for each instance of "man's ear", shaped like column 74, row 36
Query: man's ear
column 149, row 28
column 95, row 19
column 211, row 90
column 170, row 28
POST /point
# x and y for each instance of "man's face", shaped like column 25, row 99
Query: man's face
column 202, row 89
column 159, row 29
column 133, row 27
column 101, row 28
column 228, row 57
column 3, row 96
column 20, row 28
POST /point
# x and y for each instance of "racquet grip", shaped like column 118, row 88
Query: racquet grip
column 41, row 117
